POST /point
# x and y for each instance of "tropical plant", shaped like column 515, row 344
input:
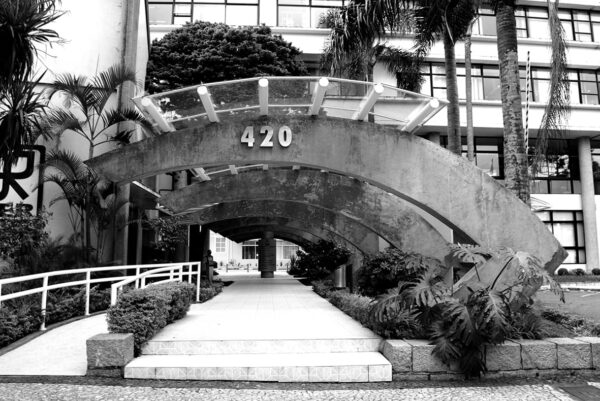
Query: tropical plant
column 88, row 110
column 461, row 323
column 91, row 205
column 22, row 27
column 317, row 260
column 348, row 57
column 171, row 231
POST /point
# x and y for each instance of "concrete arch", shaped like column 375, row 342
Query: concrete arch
column 303, row 217
column 391, row 217
column 445, row 185
column 230, row 227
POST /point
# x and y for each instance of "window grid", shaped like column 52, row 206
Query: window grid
column 567, row 226
column 220, row 244
column 585, row 84
column 532, row 22
column 305, row 10
column 190, row 11
column 250, row 249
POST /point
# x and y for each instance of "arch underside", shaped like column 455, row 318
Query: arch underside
column 389, row 216
column 445, row 185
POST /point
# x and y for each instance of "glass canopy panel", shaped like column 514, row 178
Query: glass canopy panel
column 341, row 98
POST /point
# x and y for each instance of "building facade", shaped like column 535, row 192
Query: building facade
column 566, row 190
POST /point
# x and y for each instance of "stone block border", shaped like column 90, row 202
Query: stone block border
column 515, row 358
column 108, row 353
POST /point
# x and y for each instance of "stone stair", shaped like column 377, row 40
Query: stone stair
column 287, row 360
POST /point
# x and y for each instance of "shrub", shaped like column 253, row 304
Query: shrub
column 18, row 319
column 322, row 287
column 562, row 272
column 64, row 304
column 207, row 293
column 579, row 272
column 145, row 311
column 596, row 271
column 386, row 269
column 317, row 261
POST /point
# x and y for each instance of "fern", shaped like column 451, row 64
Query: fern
column 428, row 290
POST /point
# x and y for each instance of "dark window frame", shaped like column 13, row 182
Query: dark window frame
column 576, row 219
column 192, row 3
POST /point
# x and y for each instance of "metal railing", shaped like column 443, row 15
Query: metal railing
column 174, row 272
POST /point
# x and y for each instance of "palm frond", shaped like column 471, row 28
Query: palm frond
column 125, row 114
column 107, row 82
column 75, row 88
column 69, row 165
column 404, row 65
column 60, row 120
column 22, row 28
column 558, row 106
column 21, row 111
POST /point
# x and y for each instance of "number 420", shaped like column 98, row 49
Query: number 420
column 284, row 136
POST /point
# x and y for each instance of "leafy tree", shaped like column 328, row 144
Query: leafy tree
column 22, row 27
column 317, row 260
column 348, row 57
column 171, row 231
column 203, row 52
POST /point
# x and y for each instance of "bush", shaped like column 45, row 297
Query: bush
column 207, row 293
column 64, row 304
column 145, row 311
column 317, row 261
column 386, row 269
column 579, row 272
column 562, row 272
column 322, row 287
column 18, row 319
column 596, row 271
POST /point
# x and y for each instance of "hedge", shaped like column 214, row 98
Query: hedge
column 144, row 312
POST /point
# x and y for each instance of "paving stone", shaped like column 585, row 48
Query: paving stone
column 572, row 353
column 399, row 353
column 538, row 354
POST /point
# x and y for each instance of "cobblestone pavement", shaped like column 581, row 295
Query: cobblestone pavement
column 28, row 389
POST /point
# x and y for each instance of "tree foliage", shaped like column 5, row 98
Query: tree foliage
column 171, row 231
column 23, row 25
column 317, row 260
column 203, row 52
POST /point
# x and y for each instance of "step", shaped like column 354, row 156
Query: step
column 262, row 346
column 305, row 367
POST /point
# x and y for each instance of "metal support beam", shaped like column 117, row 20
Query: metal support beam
column 265, row 167
column 318, row 96
column 151, row 109
column 201, row 174
column 208, row 104
column 295, row 167
column 263, row 96
column 233, row 169
column 418, row 117
column 368, row 102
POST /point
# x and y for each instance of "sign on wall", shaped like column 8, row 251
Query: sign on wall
column 21, row 182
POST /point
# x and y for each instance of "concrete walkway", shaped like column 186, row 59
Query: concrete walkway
column 59, row 352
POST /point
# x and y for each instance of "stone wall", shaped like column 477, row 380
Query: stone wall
column 412, row 359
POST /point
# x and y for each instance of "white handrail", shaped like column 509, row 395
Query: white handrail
column 153, row 270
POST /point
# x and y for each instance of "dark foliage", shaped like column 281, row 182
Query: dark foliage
column 596, row 271
column 203, row 52
column 22, row 236
column 562, row 272
column 145, row 311
column 317, row 261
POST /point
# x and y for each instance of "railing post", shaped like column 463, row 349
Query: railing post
column 198, row 283
column 113, row 294
column 88, row 278
column 171, row 274
column 144, row 282
column 137, row 273
column 190, row 272
column 44, row 302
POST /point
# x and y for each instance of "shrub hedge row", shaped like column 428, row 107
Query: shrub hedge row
column 23, row 316
column 144, row 312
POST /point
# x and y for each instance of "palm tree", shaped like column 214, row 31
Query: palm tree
column 22, row 27
column 89, row 112
column 515, row 152
column 355, row 57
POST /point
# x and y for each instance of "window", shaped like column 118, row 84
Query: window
column 532, row 22
column 559, row 173
column 304, row 13
column 488, row 154
column 596, row 165
column 485, row 81
column 250, row 249
column 220, row 244
column 178, row 12
column 567, row 227
column 285, row 250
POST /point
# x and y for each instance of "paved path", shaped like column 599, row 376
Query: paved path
column 59, row 352
column 262, row 309
column 432, row 391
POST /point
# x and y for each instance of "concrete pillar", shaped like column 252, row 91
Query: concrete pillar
column 121, row 233
column 267, row 255
column 180, row 179
column 588, row 203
